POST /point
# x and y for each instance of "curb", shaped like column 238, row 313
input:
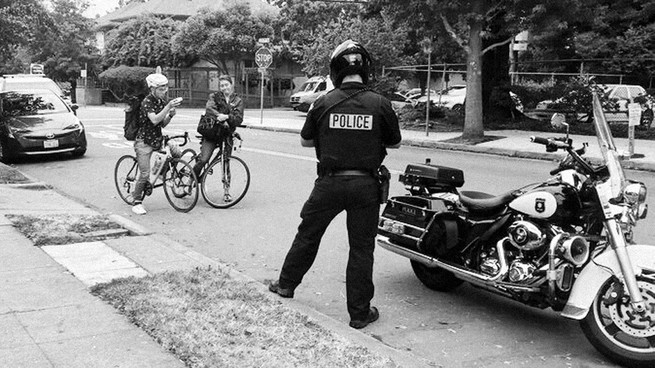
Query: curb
column 132, row 227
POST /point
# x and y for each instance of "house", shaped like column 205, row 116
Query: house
column 195, row 83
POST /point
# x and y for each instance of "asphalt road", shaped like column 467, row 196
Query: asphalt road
column 464, row 328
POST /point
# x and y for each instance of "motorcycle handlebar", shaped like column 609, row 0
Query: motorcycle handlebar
column 549, row 142
column 539, row 140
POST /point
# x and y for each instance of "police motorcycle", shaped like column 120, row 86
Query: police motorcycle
column 565, row 243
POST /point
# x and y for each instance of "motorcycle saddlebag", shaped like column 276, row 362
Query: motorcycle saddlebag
column 432, row 177
column 406, row 220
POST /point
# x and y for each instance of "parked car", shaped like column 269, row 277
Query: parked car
column 311, row 90
column 620, row 94
column 411, row 96
column 451, row 98
column 454, row 98
column 36, row 122
column 10, row 82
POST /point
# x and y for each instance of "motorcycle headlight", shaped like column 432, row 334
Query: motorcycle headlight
column 635, row 193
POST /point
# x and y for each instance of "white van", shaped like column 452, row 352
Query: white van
column 312, row 89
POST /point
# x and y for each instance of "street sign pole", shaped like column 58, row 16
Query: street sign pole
column 261, row 98
column 264, row 59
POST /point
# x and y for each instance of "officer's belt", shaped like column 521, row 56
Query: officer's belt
column 349, row 173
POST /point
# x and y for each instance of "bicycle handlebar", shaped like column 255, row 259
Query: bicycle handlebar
column 185, row 136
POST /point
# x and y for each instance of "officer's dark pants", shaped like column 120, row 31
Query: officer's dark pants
column 358, row 196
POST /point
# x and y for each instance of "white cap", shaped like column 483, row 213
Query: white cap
column 156, row 80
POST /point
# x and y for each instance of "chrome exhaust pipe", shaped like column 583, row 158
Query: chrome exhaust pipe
column 466, row 275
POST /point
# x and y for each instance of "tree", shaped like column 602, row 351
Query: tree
column 622, row 33
column 66, row 49
column 483, row 30
column 222, row 35
column 20, row 24
column 145, row 41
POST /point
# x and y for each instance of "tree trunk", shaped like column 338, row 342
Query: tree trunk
column 473, row 122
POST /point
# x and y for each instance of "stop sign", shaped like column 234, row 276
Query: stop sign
column 263, row 57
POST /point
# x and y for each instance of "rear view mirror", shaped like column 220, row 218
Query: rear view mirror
column 558, row 122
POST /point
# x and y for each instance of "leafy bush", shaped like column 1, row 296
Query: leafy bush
column 531, row 93
column 124, row 81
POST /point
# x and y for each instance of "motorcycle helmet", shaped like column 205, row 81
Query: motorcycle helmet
column 349, row 58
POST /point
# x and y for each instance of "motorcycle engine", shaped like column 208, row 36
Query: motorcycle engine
column 526, row 236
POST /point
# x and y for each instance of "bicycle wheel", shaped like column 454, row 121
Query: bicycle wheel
column 181, row 185
column 224, row 191
column 126, row 174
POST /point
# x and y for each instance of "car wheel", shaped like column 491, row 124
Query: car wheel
column 4, row 156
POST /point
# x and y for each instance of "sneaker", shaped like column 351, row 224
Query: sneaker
column 139, row 209
column 227, row 198
column 275, row 288
column 373, row 316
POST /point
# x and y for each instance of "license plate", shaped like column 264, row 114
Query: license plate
column 51, row 143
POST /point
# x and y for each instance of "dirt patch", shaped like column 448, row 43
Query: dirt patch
column 473, row 142
column 66, row 229
column 9, row 175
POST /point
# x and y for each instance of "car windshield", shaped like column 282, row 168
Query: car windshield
column 23, row 103
column 308, row 86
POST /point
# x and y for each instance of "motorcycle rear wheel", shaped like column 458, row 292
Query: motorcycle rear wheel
column 616, row 331
column 435, row 278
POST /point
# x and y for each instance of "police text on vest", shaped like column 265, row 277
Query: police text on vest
column 351, row 121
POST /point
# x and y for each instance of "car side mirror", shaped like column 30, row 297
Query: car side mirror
column 74, row 107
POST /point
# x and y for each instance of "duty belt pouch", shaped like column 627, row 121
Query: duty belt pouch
column 384, row 178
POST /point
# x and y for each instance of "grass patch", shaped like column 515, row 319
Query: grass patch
column 60, row 229
column 208, row 319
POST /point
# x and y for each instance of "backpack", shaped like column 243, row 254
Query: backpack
column 132, row 124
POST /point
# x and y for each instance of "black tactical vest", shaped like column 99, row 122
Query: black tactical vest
column 349, row 133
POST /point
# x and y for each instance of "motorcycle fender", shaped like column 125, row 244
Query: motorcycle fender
column 599, row 270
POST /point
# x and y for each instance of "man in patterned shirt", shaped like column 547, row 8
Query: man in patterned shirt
column 156, row 112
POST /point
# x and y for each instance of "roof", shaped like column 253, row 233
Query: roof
column 178, row 9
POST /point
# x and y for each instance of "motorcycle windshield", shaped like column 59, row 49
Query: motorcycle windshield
column 608, row 149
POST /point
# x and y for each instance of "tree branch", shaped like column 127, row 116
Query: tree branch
column 497, row 44
column 452, row 33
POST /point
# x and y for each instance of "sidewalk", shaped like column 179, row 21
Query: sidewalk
column 48, row 318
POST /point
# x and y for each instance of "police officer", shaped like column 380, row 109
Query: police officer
column 350, row 128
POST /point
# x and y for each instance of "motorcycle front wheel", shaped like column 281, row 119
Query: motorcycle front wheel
column 435, row 278
column 618, row 332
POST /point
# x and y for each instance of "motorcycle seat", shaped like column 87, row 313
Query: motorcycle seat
column 480, row 202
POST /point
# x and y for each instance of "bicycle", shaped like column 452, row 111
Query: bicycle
column 225, row 179
column 175, row 175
